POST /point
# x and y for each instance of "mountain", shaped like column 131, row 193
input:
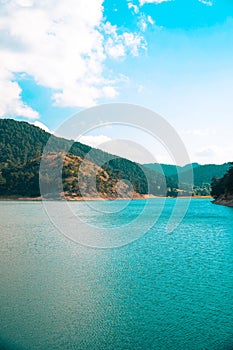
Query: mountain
column 203, row 174
column 222, row 188
column 169, row 170
column 21, row 148
column 86, row 171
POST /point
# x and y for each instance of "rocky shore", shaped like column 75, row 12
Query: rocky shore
column 226, row 200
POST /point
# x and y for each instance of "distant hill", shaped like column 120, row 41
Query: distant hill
column 203, row 174
column 21, row 147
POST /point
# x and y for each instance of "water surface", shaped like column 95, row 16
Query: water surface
column 160, row 292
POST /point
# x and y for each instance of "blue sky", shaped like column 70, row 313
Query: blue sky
column 175, row 57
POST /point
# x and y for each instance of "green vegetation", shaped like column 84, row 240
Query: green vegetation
column 202, row 175
column 223, row 187
column 85, row 169
column 21, row 147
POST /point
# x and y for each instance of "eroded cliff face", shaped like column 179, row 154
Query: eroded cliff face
column 225, row 199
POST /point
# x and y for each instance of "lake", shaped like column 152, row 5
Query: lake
column 162, row 291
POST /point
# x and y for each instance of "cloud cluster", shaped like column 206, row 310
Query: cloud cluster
column 119, row 45
column 143, row 19
column 10, row 98
column 133, row 7
column 64, row 47
column 206, row 2
column 214, row 154
column 143, row 2
column 136, row 8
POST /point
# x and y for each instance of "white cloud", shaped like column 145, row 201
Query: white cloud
column 42, row 126
column 113, row 50
column 150, row 20
column 143, row 24
column 109, row 91
column 63, row 46
column 143, row 2
column 134, row 7
column 214, row 154
column 200, row 132
column 10, row 99
column 118, row 45
column 144, row 21
column 206, row 152
column 134, row 42
column 94, row 141
column 206, row 2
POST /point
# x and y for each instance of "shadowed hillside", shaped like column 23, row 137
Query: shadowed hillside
column 222, row 188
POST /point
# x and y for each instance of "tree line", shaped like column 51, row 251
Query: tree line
column 224, row 185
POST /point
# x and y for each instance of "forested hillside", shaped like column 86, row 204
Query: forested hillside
column 21, row 147
column 222, row 188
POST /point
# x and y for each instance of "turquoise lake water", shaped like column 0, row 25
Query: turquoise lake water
column 162, row 291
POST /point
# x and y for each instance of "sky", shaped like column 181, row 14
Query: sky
column 174, row 57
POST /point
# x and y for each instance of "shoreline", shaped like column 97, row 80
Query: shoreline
column 81, row 199
column 226, row 202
